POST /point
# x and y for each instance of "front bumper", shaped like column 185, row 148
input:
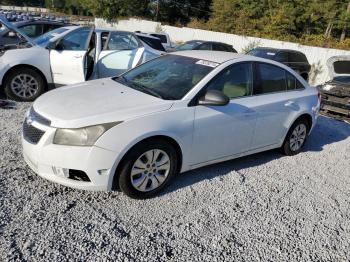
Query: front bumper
column 44, row 157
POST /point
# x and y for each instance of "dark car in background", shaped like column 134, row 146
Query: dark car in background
column 335, row 93
column 32, row 29
column 205, row 45
column 294, row 59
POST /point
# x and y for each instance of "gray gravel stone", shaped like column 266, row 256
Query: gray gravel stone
column 262, row 207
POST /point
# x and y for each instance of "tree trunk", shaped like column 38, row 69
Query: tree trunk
column 343, row 33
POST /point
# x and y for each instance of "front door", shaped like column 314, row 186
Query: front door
column 68, row 59
column 224, row 131
column 121, row 52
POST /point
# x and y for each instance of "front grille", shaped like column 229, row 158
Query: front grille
column 31, row 133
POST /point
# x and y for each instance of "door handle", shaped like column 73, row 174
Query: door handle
column 290, row 103
column 78, row 56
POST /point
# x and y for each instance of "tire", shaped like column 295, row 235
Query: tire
column 140, row 177
column 296, row 137
column 24, row 84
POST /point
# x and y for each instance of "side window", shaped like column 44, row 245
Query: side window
column 291, row 81
column 104, row 38
column 50, row 27
column 218, row 47
column 76, row 40
column 32, row 30
column 205, row 46
column 269, row 79
column 282, row 57
column 162, row 38
column 296, row 57
column 122, row 41
column 235, row 81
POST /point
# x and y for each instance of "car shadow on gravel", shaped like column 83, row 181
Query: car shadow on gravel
column 326, row 132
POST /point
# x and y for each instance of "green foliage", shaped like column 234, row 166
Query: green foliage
column 322, row 23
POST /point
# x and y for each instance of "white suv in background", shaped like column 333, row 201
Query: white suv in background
column 68, row 55
column 172, row 114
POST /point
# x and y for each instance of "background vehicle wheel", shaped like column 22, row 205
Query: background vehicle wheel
column 296, row 138
column 24, row 84
column 147, row 169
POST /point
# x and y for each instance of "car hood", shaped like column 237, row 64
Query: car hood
column 96, row 102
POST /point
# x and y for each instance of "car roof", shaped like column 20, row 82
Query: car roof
column 277, row 49
column 213, row 56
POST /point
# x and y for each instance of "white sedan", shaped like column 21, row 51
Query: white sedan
column 172, row 114
column 69, row 55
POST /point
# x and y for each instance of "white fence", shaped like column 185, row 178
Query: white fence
column 317, row 56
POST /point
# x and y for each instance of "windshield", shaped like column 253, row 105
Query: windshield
column 44, row 39
column 263, row 53
column 188, row 46
column 343, row 79
column 168, row 77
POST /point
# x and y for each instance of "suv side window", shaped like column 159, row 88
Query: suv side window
column 281, row 57
column 77, row 40
column 296, row 57
column 269, row 79
column 50, row 27
column 122, row 41
column 234, row 81
column 205, row 46
column 219, row 47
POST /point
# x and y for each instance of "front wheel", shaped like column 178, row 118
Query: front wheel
column 295, row 138
column 147, row 169
column 24, row 84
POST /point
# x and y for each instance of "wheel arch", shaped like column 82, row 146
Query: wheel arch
column 166, row 138
column 25, row 66
column 305, row 116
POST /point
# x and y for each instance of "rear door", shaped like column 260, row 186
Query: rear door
column 121, row 52
column 68, row 59
column 274, row 104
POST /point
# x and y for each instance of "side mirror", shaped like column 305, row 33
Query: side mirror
column 214, row 98
column 59, row 46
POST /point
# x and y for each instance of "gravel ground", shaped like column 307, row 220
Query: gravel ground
column 263, row 207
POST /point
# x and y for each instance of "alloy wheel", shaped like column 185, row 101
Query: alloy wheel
column 298, row 136
column 150, row 170
column 24, row 86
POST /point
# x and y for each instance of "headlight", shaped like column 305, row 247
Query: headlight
column 86, row 136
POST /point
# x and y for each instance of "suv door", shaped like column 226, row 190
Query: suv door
column 121, row 52
column 224, row 131
column 68, row 58
column 275, row 106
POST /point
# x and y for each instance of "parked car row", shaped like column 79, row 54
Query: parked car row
column 69, row 55
column 17, row 16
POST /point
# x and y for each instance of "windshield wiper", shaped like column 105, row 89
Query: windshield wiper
column 145, row 89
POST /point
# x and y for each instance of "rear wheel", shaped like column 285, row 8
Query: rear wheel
column 295, row 138
column 147, row 169
column 24, row 84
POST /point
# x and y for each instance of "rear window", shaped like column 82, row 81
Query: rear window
column 162, row 38
column 342, row 67
column 154, row 43
column 343, row 79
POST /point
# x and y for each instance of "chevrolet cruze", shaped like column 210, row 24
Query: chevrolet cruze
column 181, row 111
